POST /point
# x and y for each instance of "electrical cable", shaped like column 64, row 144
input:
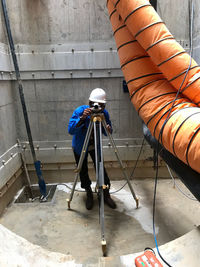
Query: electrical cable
column 42, row 199
column 114, row 192
column 156, row 178
column 179, row 189
column 154, row 205
column 45, row 198
column 81, row 191
column 160, row 135
column 133, row 168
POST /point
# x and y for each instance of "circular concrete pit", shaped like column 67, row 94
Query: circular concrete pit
column 76, row 232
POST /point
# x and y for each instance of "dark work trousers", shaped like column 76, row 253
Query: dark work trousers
column 84, row 177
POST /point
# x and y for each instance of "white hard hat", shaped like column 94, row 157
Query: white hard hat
column 98, row 95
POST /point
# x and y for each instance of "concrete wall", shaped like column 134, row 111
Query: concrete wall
column 2, row 29
column 8, row 129
column 196, row 32
column 175, row 14
column 48, row 31
column 65, row 49
column 58, row 22
column 79, row 25
column 51, row 103
column 63, row 26
column 10, row 161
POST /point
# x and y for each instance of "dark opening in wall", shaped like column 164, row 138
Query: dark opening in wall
column 154, row 3
column 26, row 196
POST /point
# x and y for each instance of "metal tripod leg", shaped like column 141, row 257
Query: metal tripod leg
column 121, row 164
column 78, row 169
column 101, row 211
column 100, row 176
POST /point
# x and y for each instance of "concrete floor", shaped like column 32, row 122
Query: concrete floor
column 128, row 230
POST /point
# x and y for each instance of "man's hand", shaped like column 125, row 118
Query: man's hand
column 86, row 112
column 108, row 127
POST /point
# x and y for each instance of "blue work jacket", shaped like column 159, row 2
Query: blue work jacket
column 79, row 133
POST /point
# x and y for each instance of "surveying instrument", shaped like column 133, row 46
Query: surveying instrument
column 97, row 120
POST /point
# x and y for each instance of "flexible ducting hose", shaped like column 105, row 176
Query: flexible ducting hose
column 151, row 93
column 153, row 35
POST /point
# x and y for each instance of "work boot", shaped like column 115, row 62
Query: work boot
column 108, row 200
column 89, row 199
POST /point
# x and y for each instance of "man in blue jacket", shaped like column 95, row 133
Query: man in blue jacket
column 78, row 125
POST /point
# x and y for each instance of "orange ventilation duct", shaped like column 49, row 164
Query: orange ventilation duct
column 151, row 93
column 152, row 34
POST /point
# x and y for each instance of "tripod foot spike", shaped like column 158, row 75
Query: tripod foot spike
column 68, row 203
column 103, row 244
column 137, row 202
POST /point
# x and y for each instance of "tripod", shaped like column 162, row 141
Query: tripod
column 96, row 122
